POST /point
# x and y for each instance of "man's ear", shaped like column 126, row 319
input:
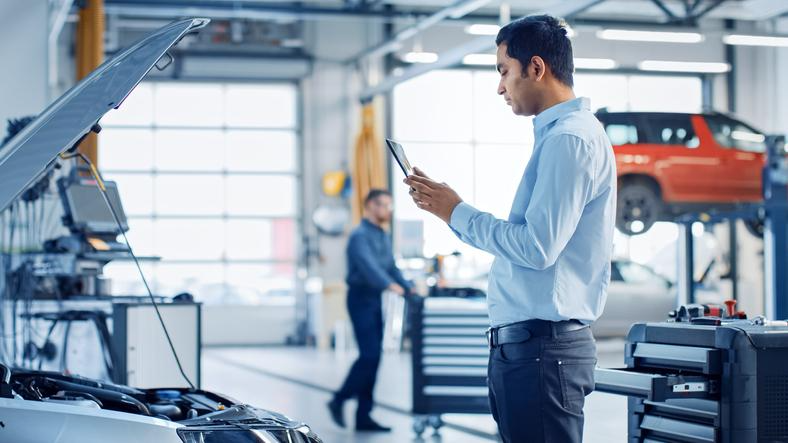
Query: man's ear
column 537, row 67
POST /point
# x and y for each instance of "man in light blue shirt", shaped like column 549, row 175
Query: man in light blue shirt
column 552, row 255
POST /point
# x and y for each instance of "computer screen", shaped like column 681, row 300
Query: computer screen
column 88, row 210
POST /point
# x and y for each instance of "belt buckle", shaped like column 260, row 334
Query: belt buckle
column 489, row 335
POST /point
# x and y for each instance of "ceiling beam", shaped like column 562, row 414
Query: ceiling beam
column 565, row 9
column 456, row 10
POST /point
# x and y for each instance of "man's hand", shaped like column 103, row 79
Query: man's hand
column 431, row 196
column 399, row 290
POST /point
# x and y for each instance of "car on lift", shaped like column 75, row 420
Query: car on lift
column 41, row 407
column 674, row 163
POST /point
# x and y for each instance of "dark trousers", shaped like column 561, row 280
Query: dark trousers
column 537, row 388
column 364, row 307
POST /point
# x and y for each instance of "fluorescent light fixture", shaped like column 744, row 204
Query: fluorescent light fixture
column 674, row 66
column 745, row 136
column 595, row 63
column 649, row 36
column 755, row 40
column 480, row 59
column 420, row 57
column 482, row 29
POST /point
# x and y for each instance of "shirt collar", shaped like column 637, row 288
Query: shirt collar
column 555, row 112
column 369, row 224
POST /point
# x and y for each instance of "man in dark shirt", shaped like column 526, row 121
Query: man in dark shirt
column 371, row 270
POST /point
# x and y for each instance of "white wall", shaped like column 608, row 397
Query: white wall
column 23, row 51
column 331, row 118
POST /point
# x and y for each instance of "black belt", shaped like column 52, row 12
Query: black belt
column 524, row 330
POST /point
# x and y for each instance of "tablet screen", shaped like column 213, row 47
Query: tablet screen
column 399, row 155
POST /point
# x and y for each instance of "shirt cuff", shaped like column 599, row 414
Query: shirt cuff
column 461, row 217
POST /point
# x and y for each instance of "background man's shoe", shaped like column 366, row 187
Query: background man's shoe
column 371, row 425
column 335, row 408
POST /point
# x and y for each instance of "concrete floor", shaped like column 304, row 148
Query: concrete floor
column 298, row 382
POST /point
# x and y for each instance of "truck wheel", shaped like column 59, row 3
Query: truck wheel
column 638, row 209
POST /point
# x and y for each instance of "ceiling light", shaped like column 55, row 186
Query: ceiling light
column 480, row 59
column 595, row 63
column 755, row 40
column 481, row 29
column 650, row 36
column 674, row 66
column 420, row 57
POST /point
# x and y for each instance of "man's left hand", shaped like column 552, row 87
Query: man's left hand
column 431, row 196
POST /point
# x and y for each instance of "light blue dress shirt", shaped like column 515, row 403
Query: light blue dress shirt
column 552, row 255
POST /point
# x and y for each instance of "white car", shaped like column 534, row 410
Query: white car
column 46, row 407
column 636, row 294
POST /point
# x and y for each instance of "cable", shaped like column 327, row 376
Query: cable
column 103, row 191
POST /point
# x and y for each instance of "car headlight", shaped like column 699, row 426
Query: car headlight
column 235, row 435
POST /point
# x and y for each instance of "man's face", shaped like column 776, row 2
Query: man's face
column 517, row 85
column 380, row 209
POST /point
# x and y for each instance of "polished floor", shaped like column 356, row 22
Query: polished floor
column 298, row 383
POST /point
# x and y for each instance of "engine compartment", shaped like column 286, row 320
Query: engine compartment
column 174, row 404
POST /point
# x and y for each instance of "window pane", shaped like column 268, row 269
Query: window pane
column 493, row 120
column 458, row 173
column 604, row 91
column 261, row 106
column 126, row 149
column 732, row 134
column 197, row 278
column 673, row 131
column 187, row 194
column 435, row 107
column 189, row 150
column 249, row 239
column 140, row 236
column 499, row 169
column 622, row 134
column 261, row 280
column 259, row 151
column 137, row 109
column 261, row 195
column 667, row 94
column 125, row 278
column 190, row 239
column 189, row 104
column 136, row 192
column 432, row 159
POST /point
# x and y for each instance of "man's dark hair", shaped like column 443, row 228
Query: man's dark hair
column 374, row 194
column 541, row 35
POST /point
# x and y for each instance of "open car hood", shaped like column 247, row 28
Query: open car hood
column 34, row 149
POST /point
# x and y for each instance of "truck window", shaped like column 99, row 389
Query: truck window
column 730, row 133
column 672, row 130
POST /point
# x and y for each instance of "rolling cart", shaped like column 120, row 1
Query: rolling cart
column 450, row 358
column 704, row 383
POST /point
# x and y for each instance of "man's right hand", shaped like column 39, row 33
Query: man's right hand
column 399, row 290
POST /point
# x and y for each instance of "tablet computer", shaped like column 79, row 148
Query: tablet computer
column 399, row 155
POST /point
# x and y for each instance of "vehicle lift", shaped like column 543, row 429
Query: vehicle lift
column 774, row 212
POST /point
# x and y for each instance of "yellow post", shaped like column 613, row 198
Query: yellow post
column 369, row 165
column 90, row 54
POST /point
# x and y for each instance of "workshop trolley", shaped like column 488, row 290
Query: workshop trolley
column 450, row 356
column 704, row 383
